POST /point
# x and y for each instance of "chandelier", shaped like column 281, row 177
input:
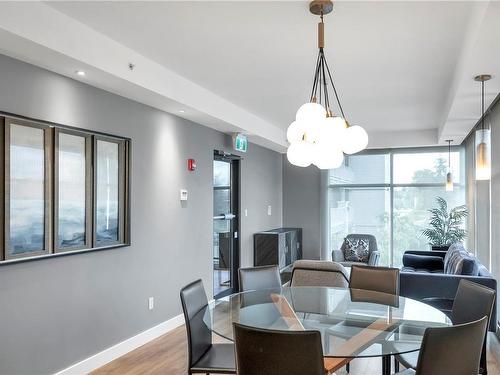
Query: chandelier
column 318, row 136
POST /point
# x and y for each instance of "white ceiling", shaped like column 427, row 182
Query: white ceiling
column 402, row 67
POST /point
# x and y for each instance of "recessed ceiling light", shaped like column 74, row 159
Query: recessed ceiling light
column 182, row 111
column 81, row 73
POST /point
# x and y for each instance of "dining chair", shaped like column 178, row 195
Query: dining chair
column 319, row 273
column 257, row 278
column 203, row 356
column 377, row 279
column 451, row 350
column 260, row 351
column 472, row 302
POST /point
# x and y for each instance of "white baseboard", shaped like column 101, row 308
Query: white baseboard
column 100, row 359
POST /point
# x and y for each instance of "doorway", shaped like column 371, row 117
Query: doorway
column 226, row 210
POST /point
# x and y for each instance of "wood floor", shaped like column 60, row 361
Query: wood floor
column 167, row 355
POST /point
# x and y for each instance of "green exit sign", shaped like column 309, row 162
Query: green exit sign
column 240, row 142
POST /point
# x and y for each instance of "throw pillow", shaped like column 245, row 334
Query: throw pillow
column 356, row 250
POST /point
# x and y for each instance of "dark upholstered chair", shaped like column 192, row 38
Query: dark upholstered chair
column 260, row 352
column 319, row 273
column 338, row 255
column 258, row 278
column 377, row 279
column 203, row 356
column 451, row 350
column 472, row 302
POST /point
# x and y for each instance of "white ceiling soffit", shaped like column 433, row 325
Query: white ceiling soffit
column 481, row 55
column 36, row 33
column 404, row 69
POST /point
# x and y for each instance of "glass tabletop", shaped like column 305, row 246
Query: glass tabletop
column 352, row 322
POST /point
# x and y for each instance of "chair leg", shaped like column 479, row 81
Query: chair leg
column 396, row 365
column 483, row 362
column 386, row 365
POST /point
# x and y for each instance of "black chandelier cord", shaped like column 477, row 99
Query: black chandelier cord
column 315, row 81
column 327, row 99
column 335, row 91
column 320, row 79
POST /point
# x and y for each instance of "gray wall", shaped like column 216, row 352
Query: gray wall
column 302, row 205
column 495, row 192
column 56, row 312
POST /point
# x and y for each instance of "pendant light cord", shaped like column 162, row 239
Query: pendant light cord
column 449, row 156
column 482, row 105
column 320, row 79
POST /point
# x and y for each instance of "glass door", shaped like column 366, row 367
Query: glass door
column 225, row 251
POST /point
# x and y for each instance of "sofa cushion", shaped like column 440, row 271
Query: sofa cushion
column 420, row 270
column 459, row 262
column 426, row 262
column 356, row 250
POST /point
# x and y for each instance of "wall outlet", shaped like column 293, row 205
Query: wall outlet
column 269, row 210
column 246, row 212
column 151, row 303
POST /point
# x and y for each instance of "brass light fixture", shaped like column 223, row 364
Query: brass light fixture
column 483, row 164
column 318, row 136
column 449, row 176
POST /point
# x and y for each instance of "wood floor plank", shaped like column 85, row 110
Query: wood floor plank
column 167, row 355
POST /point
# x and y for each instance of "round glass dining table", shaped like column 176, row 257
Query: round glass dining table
column 353, row 323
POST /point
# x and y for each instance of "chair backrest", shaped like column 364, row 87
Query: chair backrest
column 194, row 304
column 258, row 278
column 260, row 351
column 452, row 350
column 378, row 279
column 319, row 273
column 472, row 302
column 372, row 241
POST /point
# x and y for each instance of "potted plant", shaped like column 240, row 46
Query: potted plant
column 445, row 227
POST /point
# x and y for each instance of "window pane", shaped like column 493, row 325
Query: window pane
column 429, row 167
column 71, row 190
column 411, row 215
column 107, row 192
column 362, row 169
column 363, row 211
column 27, row 187
column 222, row 173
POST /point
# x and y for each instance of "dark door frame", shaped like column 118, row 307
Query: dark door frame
column 235, row 162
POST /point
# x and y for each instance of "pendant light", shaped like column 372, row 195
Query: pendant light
column 483, row 165
column 318, row 136
column 449, row 176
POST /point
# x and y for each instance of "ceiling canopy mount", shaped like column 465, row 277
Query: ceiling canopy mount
column 321, row 7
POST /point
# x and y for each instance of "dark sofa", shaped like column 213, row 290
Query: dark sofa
column 433, row 276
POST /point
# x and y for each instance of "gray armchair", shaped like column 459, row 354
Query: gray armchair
column 338, row 255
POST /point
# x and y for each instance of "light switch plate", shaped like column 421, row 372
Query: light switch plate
column 269, row 210
column 184, row 195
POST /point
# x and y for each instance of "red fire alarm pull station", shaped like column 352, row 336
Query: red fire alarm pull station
column 191, row 165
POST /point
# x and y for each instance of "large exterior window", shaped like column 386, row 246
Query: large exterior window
column 49, row 188
column 387, row 194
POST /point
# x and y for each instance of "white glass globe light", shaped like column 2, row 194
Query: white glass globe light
column 310, row 113
column 295, row 132
column 300, row 154
column 333, row 131
column 327, row 157
column 356, row 140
